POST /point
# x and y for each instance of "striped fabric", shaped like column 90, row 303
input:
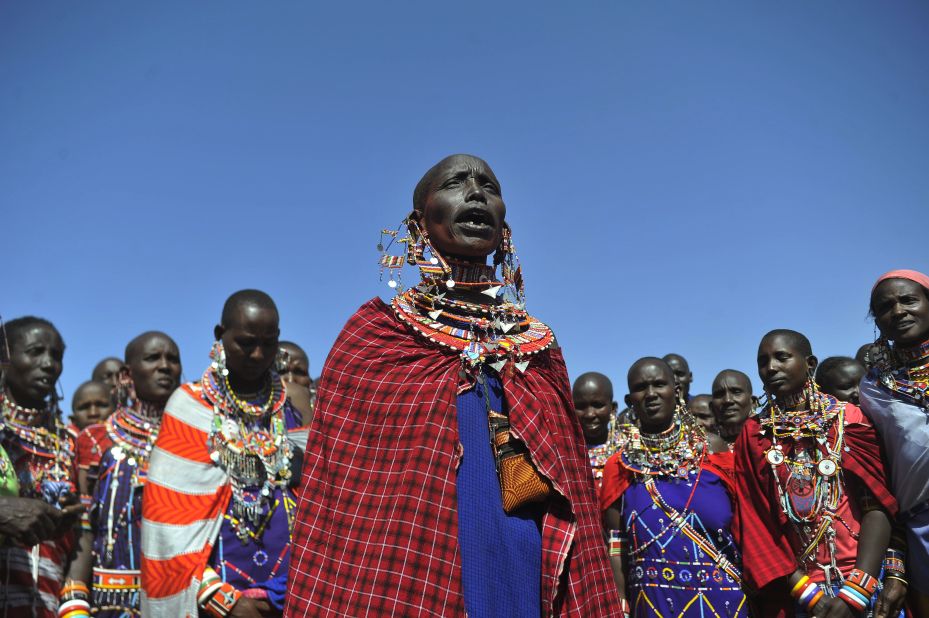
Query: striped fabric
column 185, row 498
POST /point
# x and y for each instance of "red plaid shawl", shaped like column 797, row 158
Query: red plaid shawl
column 376, row 531
column 761, row 526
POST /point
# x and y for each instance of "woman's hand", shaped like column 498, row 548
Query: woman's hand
column 891, row 599
column 832, row 608
column 246, row 607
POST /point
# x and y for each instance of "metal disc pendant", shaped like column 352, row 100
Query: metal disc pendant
column 827, row 467
column 774, row 457
column 118, row 453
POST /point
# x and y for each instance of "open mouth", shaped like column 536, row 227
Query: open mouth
column 475, row 218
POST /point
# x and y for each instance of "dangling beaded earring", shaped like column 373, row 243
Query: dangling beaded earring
column 125, row 388
column 433, row 269
column 393, row 263
column 218, row 359
column 511, row 271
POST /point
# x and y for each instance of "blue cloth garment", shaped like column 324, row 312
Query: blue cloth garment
column 668, row 574
column 501, row 555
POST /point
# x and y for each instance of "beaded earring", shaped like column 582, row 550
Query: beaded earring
column 433, row 269
column 125, row 388
column 511, row 271
column 218, row 359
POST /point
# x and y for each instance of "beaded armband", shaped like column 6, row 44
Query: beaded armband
column 216, row 598
column 74, row 600
column 858, row 589
column 895, row 565
column 616, row 543
column 807, row 593
column 624, row 608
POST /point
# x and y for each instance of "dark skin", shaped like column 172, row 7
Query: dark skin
column 293, row 366
column 463, row 210
column 682, row 373
column 653, row 397
column 154, row 364
column 91, row 404
column 250, row 339
column 700, row 409
column 784, row 369
column 35, row 364
column 731, row 402
column 901, row 311
column 107, row 371
column 843, row 381
column 866, row 354
column 594, row 406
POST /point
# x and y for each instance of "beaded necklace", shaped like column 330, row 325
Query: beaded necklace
column 616, row 437
column 249, row 441
column 905, row 372
column 674, row 452
column 48, row 472
column 492, row 335
column 800, row 442
column 133, row 432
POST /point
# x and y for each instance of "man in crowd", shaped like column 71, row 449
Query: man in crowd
column 732, row 403
column 596, row 410
column 839, row 376
column 682, row 374
column 218, row 509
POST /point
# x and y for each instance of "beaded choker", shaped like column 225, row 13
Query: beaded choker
column 908, row 377
column 133, row 434
column 675, row 452
column 249, row 441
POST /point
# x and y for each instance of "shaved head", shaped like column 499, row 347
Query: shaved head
column 650, row 361
column 796, row 340
column 134, row 348
column 242, row 299
column 736, row 375
column 425, row 183
column 595, row 380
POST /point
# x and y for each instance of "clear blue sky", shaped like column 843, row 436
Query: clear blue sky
column 680, row 176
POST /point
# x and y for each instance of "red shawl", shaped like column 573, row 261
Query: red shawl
column 617, row 478
column 376, row 530
column 760, row 526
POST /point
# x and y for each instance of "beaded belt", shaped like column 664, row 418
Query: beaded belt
column 112, row 579
column 117, row 590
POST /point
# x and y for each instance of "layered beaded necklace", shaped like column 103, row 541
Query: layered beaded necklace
column 133, row 432
column 599, row 454
column 494, row 333
column 800, row 442
column 905, row 372
column 674, row 452
column 249, row 441
column 50, row 447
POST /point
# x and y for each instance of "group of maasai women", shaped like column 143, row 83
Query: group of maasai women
column 446, row 467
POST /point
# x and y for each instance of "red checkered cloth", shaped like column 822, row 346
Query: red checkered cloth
column 760, row 525
column 376, row 531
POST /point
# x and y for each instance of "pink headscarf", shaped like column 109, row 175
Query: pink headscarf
column 912, row 275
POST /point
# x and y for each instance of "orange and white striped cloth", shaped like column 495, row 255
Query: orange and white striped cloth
column 185, row 498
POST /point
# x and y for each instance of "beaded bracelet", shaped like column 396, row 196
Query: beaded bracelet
column 807, row 593
column 216, row 598
column 74, row 600
column 624, row 607
column 616, row 543
column 895, row 562
column 857, row 590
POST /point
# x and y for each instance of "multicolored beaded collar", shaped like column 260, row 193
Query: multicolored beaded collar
column 905, row 372
column 675, row 452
